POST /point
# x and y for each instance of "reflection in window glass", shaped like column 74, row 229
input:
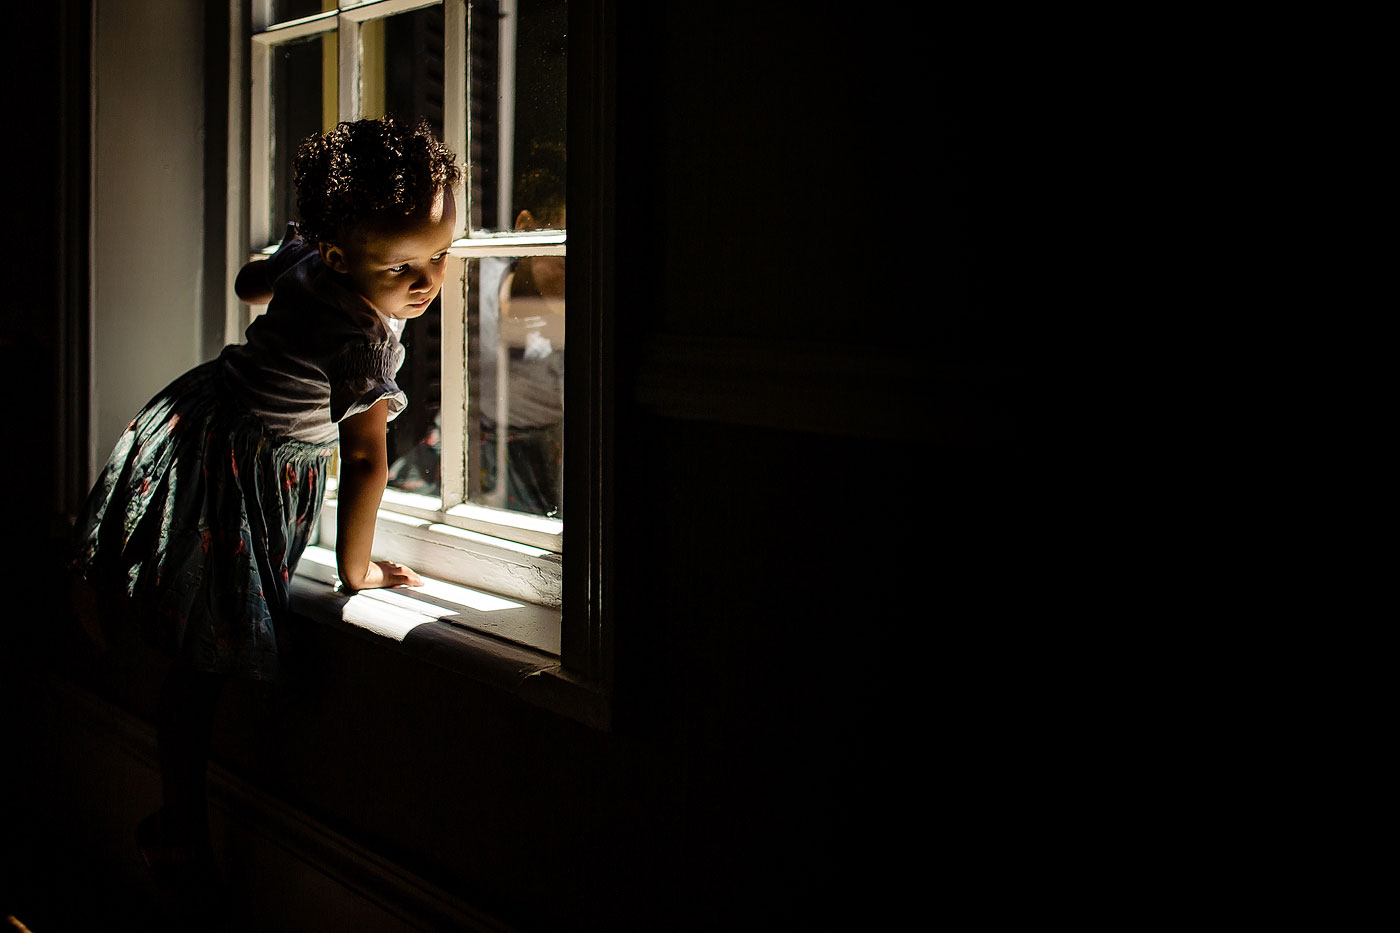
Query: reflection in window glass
column 518, row 63
column 516, row 388
column 299, row 71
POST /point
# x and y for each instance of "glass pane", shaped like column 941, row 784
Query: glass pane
column 515, row 312
column 402, row 69
column 283, row 10
column 414, row 444
column 303, row 99
column 402, row 73
column 518, row 63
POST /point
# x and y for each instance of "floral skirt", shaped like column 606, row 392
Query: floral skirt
column 196, row 524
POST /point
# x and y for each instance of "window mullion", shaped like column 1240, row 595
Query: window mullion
column 454, row 96
column 454, row 427
column 349, row 74
column 505, row 83
column 453, row 410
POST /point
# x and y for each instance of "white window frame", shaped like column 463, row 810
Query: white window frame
column 445, row 537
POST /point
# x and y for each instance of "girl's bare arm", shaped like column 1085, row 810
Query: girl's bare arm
column 364, row 469
column 253, row 284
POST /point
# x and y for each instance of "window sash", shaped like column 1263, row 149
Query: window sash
column 453, row 507
column 581, row 685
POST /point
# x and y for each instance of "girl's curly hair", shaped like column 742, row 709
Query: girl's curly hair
column 367, row 169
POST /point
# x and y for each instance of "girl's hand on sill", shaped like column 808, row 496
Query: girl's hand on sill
column 383, row 574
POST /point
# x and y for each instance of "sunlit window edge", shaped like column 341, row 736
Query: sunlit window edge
column 507, row 519
column 475, row 560
column 480, row 245
column 489, row 524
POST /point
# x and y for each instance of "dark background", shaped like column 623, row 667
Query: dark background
column 806, row 616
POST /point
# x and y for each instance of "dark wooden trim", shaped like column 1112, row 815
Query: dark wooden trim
column 589, row 379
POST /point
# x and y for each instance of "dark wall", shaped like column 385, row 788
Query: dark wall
column 29, row 258
column 788, row 600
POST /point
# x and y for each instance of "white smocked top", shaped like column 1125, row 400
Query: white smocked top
column 318, row 355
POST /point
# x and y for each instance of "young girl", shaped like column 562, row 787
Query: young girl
column 196, row 524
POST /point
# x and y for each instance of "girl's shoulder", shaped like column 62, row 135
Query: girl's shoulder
column 292, row 251
column 327, row 313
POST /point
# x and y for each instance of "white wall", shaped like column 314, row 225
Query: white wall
column 148, row 204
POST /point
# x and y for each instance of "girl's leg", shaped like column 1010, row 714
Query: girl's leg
column 185, row 720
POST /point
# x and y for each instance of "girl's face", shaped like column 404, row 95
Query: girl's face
column 398, row 266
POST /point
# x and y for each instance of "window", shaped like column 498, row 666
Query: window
column 477, row 487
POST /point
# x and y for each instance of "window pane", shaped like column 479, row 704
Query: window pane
column 515, row 314
column 303, row 98
column 518, row 61
column 283, row 10
column 402, row 73
column 414, row 444
column 402, row 69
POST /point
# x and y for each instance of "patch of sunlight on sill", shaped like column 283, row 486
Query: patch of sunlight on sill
column 390, row 621
column 394, row 613
column 462, row 596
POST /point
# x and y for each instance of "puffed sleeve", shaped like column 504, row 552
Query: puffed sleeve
column 361, row 375
column 289, row 252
